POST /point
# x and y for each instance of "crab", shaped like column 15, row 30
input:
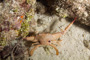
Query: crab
column 47, row 39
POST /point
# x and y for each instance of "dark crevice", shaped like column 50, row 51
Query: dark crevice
column 48, row 7
column 1, row 1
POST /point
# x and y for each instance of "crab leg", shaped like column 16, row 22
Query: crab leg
column 57, row 35
column 32, row 50
column 31, row 38
column 54, row 48
column 36, row 43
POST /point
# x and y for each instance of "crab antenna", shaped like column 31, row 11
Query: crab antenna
column 69, row 26
column 57, row 35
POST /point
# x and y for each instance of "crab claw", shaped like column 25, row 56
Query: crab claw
column 29, row 38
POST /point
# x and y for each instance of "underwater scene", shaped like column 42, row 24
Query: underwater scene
column 44, row 29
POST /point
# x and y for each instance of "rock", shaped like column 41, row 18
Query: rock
column 72, row 8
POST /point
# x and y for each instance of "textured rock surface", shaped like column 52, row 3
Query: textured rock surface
column 15, row 16
column 74, row 8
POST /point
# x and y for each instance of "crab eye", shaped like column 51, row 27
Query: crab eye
column 49, row 41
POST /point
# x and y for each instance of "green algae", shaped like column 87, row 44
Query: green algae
column 25, row 26
column 3, row 41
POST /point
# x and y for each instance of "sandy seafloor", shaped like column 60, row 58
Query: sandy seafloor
column 75, row 43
